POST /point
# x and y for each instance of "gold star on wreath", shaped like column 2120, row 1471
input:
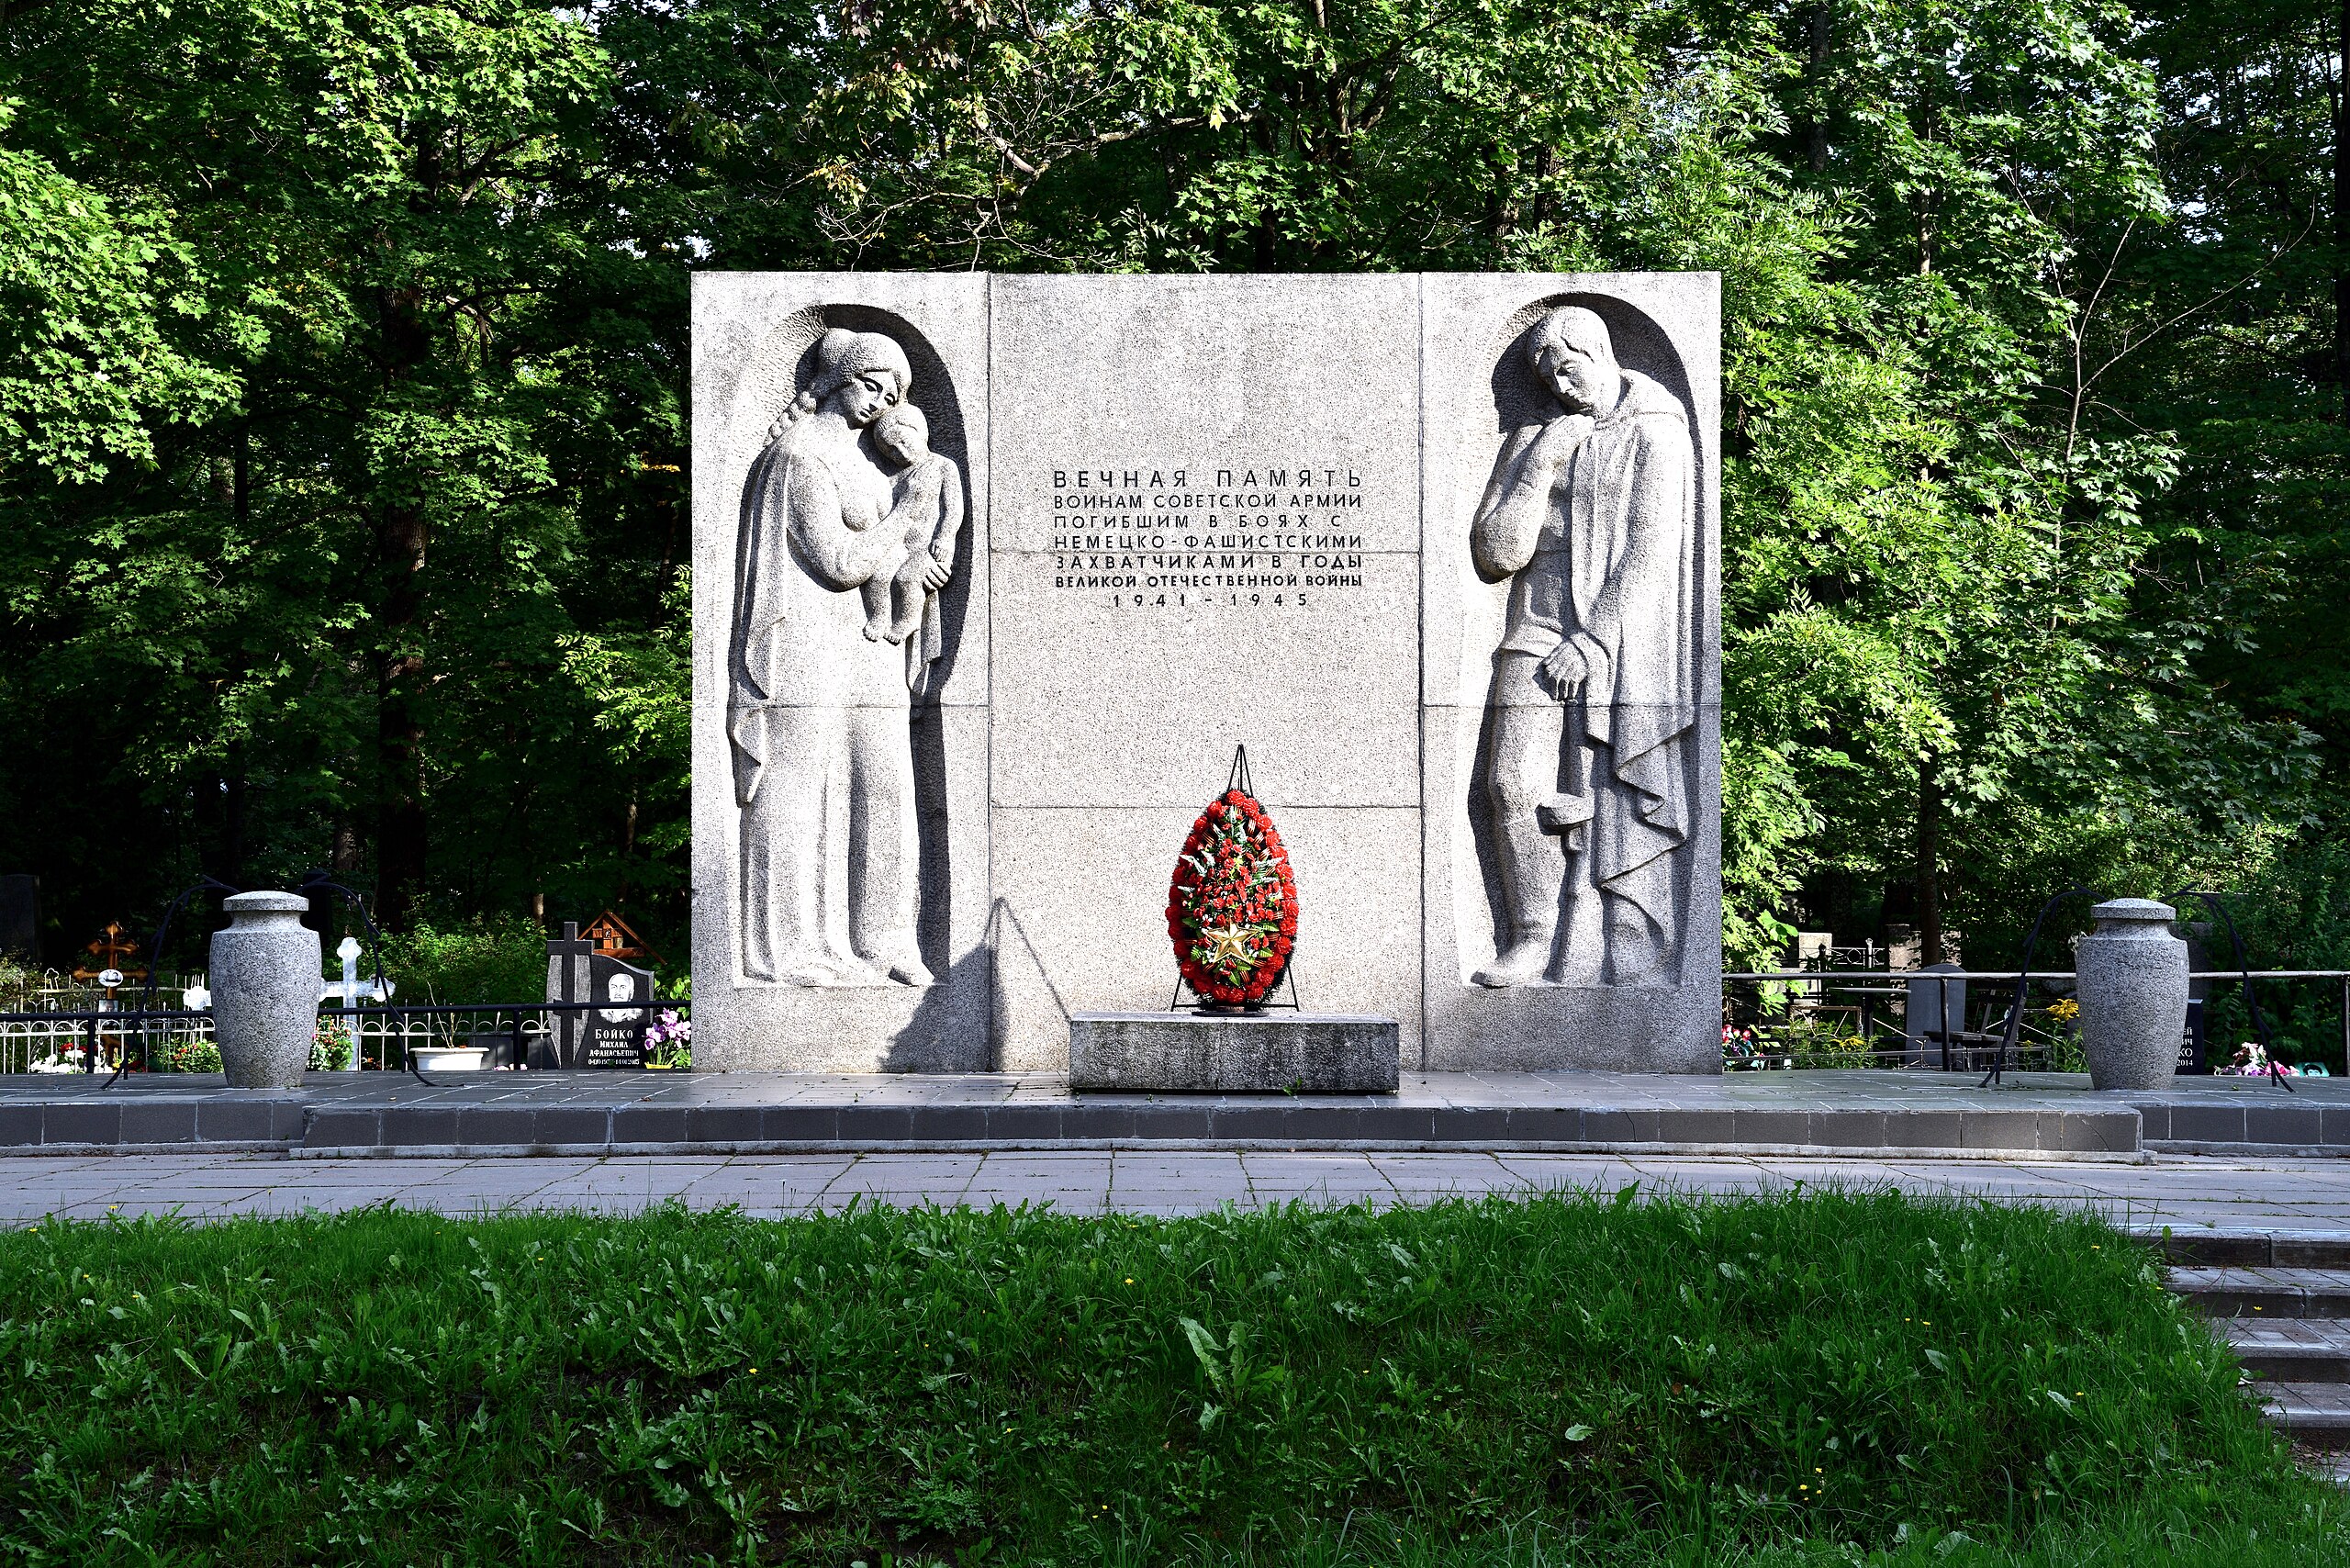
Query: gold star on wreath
column 1228, row 943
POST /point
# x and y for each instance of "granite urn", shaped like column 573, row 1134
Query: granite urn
column 2132, row 977
column 267, row 970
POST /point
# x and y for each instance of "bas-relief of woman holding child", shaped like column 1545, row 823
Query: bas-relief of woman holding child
column 836, row 625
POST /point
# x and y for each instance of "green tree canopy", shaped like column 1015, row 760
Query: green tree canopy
column 343, row 341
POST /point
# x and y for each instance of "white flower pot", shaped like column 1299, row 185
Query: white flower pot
column 266, row 970
column 448, row 1058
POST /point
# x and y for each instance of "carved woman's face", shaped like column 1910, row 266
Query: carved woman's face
column 866, row 395
column 1583, row 378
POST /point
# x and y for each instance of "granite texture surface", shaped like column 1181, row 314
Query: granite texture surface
column 863, row 868
column 1273, row 1053
column 1484, row 394
column 1880, row 1115
column 1085, row 892
column 264, row 973
column 392, row 1114
column 2132, row 990
column 1208, row 512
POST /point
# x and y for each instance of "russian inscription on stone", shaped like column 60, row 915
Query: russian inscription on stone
column 608, row 1036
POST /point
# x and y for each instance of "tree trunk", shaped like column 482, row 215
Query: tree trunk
column 1929, row 882
column 234, row 781
column 402, row 531
column 628, row 854
column 399, row 730
column 1813, row 129
column 2342, row 207
column 232, row 818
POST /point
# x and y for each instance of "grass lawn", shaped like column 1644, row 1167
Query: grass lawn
column 1824, row 1378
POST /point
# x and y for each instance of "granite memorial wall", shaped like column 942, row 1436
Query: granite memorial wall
column 991, row 574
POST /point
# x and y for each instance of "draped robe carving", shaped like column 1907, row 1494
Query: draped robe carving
column 1594, row 706
column 818, row 713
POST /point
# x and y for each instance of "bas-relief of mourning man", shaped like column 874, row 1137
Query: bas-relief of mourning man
column 1593, row 712
column 818, row 711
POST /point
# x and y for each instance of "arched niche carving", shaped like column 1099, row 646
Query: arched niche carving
column 846, row 612
column 1583, row 795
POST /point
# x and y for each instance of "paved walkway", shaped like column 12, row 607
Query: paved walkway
column 1809, row 1114
column 2204, row 1193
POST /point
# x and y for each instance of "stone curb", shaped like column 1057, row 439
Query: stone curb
column 270, row 1148
column 82, row 1124
column 2249, row 1150
column 1183, row 1145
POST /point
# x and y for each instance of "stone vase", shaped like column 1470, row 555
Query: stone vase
column 2133, row 979
column 265, row 986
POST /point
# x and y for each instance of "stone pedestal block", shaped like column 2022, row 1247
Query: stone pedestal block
column 267, row 969
column 1209, row 1053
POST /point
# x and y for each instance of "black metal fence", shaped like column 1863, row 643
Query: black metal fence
column 511, row 1035
column 1864, row 1018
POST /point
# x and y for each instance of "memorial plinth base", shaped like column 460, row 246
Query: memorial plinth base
column 1320, row 1053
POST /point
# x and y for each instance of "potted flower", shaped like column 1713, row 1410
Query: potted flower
column 448, row 1058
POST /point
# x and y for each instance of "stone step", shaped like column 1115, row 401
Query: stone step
column 463, row 1113
column 2250, row 1248
column 2291, row 1349
column 2281, row 1299
column 2313, row 1414
column 2264, row 1292
column 2331, row 1464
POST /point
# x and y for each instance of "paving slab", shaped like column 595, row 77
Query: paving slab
column 1869, row 1111
column 2274, row 1239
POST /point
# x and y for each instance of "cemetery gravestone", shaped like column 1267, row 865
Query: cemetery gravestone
column 614, row 1037
column 993, row 573
column 597, row 1037
column 20, row 917
column 1935, row 1015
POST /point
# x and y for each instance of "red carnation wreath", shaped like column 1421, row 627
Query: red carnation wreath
column 1232, row 909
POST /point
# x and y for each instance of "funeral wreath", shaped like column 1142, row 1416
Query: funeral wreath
column 1231, row 908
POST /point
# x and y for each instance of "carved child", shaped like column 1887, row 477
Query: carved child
column 927, row 515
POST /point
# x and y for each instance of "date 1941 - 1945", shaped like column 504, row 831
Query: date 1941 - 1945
column 1186, row 599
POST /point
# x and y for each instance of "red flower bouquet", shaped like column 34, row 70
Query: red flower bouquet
column 1231, row 908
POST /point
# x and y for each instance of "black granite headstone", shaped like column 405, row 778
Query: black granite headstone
column 20, row 917
column 2194, row 1052
column 614, row 1037
column 601, row 1036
